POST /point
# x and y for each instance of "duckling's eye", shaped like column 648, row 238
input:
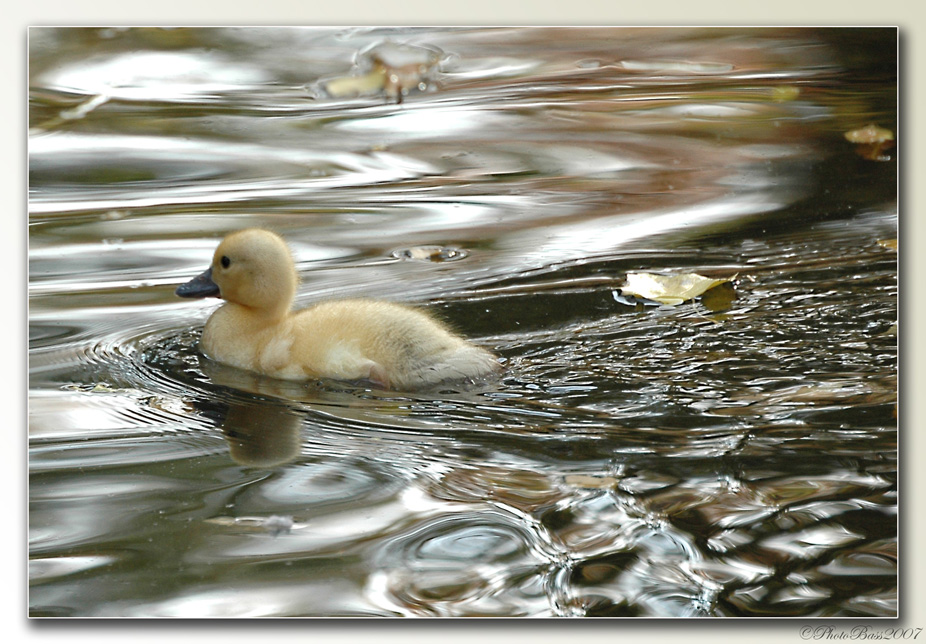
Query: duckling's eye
column 225, row 261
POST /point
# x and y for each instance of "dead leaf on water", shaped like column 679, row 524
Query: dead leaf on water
column 888, row 243
column 359, row 85
column 387, row 68
column 672, row 290
column 869, row 134
column 872, row 141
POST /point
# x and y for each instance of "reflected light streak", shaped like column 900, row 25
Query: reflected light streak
column 154, row 75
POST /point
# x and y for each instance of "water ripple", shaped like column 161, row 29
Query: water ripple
column 632, row 461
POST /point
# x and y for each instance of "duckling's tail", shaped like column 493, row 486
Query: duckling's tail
column 464, row 363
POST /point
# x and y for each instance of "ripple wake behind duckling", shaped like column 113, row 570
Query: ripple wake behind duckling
column 391, row 345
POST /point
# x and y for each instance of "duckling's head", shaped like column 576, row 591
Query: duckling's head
column 251, row 267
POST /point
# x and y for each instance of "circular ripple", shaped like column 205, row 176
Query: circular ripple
column 469, row 563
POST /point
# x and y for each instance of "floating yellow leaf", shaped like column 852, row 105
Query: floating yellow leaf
column 872, row 142
column 669, row 289
column 888, row 243
column 389, row 68
column 869, row 134
column 344, row 86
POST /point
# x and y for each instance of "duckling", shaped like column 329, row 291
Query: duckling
column 392, row 345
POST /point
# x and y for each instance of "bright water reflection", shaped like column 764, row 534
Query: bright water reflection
column 644, row 461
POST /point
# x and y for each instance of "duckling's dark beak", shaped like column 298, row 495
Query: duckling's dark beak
column 200, row 286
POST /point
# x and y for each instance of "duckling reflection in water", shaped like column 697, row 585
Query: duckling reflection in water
column 391, row 345
column 262, row 434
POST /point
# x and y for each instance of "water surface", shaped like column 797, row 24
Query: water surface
column 634, row 460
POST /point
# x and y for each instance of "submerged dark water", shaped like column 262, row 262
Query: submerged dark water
column 632, row 461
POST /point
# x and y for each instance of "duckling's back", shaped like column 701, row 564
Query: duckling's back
column 397, row 346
